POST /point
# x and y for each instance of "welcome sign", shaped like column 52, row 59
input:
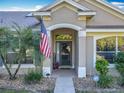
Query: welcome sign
column 64, row 37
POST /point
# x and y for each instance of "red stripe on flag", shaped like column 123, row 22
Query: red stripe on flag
column 44, row 46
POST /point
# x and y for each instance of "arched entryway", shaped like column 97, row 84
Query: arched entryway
column 71, row 38
column 64, row 45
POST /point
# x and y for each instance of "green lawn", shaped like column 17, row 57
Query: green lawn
column 12, row 91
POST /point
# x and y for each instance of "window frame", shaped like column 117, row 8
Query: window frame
column 116, row 48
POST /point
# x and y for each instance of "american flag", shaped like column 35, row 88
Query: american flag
column 45, row 49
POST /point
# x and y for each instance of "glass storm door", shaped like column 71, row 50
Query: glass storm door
column 64, row 53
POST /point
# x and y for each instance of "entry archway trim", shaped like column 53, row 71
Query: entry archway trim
column 64, row 25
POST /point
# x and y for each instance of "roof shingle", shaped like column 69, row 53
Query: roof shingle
column 8, row 18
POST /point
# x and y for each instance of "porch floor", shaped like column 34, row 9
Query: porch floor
column 64, row 73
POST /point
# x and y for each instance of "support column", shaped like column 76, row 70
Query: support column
column 81, row 54
column 47, row 63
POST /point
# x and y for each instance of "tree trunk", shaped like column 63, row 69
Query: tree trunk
column 19, row 65
column 5, row 64
column 25, row 58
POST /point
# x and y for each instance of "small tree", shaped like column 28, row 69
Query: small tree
column 25, row 41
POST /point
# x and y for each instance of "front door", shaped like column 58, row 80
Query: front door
column 64, row 53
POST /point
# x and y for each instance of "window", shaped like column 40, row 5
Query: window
column 106, row 47
column 14, row 50
column 109, row 47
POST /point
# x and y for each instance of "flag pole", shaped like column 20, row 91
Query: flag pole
column 39, row 67
column 41, row 57
column 45, row 48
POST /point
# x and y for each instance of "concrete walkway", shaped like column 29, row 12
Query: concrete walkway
column 64, row 82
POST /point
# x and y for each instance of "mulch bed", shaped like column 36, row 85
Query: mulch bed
column 46, row 84
column 87, row 85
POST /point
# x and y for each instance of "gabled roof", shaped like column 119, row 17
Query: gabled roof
column 71, row 2
column 107, row 4
column 81, row 10
column 8, row 18
column 79, row 6
column 110, row 6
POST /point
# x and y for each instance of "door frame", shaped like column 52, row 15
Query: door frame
column 65, row 66
column 74, row 39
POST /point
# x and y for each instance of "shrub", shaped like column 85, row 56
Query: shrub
column 105, row 81
column 102, row 66
column 120, row 81
column 33, row 77
column 119, row 60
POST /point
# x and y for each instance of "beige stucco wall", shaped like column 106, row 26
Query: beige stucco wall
column 65, row 15
column 90, row 55
column 76, row 53
column 82, row 51
column 102, row 17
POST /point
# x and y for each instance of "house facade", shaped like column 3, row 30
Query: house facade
column 76, row 28
column 79, row 31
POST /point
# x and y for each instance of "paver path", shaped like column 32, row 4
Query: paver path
column 64, row 85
